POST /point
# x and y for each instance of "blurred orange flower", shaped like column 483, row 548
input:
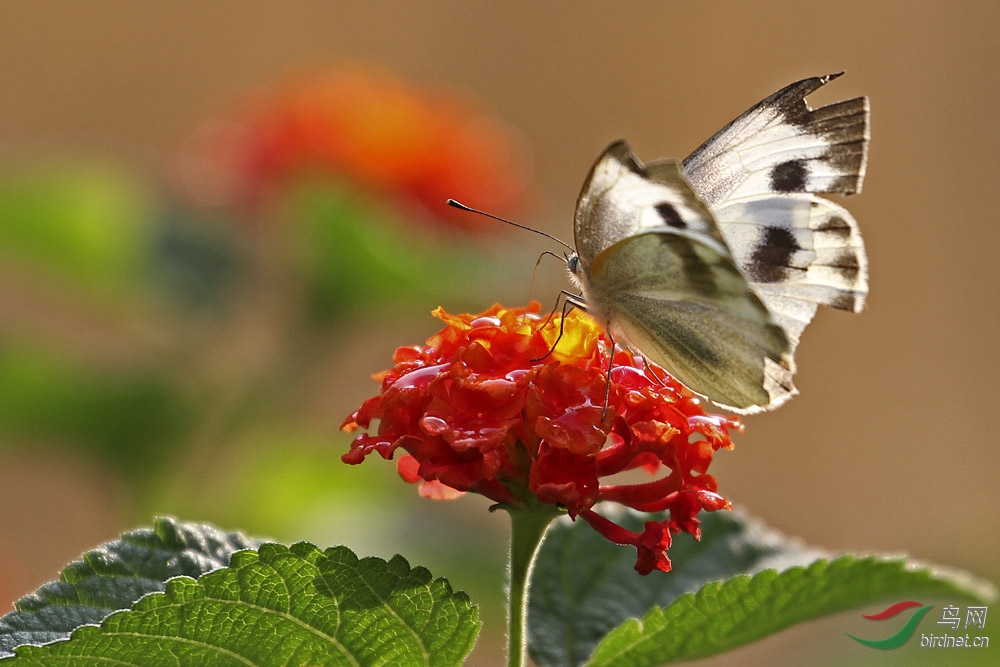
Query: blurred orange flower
column 416, row 145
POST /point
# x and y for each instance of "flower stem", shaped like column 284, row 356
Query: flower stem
column 527, row 526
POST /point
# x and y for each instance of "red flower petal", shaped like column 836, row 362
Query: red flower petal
column 490, row 406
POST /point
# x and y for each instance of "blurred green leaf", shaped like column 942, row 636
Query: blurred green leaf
column 280, row 481
column 357, row 252
column 195, row 261
column 85, row 222
column 345, row 240
column 129, row 418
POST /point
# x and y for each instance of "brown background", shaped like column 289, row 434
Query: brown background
column 892, row 444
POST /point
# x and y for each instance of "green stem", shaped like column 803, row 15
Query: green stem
column 527, row 526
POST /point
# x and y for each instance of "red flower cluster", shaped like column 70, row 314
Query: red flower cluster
column 363, row 125
column 484, row 407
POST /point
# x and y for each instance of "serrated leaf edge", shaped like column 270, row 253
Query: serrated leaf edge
column 304, row 551
column 972, row 587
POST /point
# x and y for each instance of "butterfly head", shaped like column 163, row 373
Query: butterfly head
column 578, row 276
column 573, row 264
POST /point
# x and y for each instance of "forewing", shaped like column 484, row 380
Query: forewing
column 782, row 145
column 622, row 197
column 686, row 306
column 797, row 252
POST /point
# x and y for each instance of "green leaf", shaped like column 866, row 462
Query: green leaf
column 115, row 575
column 281, row 606
column 724, row 615
column 584, row 587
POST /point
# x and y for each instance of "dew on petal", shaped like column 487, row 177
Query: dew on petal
column 419, row 378
column 485, row 322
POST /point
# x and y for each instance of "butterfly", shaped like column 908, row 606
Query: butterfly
column 712, row 267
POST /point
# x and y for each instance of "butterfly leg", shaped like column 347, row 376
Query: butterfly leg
column 569, row 302
column 652, row 374
column 607, row 379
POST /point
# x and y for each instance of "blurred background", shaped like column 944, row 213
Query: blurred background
column 217, row 220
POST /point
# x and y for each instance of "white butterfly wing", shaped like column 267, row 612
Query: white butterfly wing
column 714, row 271
column 781, row 145
column 654, row 269
column 759, row 176
column 798, row 252
column 622, row 197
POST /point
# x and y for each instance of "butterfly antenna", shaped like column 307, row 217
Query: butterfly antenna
column 463, row 207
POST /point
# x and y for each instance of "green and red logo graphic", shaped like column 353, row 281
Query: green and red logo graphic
column 904, row 633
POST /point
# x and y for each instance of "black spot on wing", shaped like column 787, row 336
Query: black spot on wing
column 848, row 184
column 836, row 226
column 843, row 301
column 845, row 260
column 847, row 265
column 789, row 176
column 770, row 259
column 670, row 216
